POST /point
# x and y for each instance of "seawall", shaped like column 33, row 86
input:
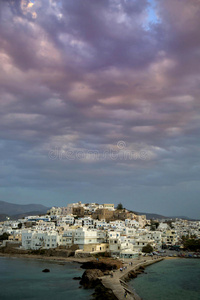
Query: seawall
column 117, row 283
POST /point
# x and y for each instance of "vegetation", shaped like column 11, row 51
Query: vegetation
column 147, row 249
column 4, row 236
column 154, row 225
column 101, row 254
column 119, row 206
column 38, row 252
column 164, row 246
column 187, row 237
column 20, row 225
column 192, row 244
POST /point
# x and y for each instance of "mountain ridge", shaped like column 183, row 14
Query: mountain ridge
column 10, row 209
column 159, row 217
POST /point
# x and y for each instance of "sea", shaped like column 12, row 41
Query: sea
column 23, row 279
column 173, row 279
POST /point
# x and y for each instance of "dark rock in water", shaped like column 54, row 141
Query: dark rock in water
column 132, row 274
column 102, row 293
column 139, row 272
column 46, row 270
column 90, row 278
column 77, row 278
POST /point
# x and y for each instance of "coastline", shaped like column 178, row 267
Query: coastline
column 55, row 259
column 111, row 284
column 117, row 284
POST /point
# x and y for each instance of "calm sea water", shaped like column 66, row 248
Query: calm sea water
column 23, row 279
column 176, row 279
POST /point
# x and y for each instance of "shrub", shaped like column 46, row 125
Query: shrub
column 147, row 249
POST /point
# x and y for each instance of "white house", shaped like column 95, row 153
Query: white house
column 39, row 239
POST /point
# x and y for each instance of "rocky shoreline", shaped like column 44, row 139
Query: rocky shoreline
column 91, row 280
column 111, row 283
column 117, row 280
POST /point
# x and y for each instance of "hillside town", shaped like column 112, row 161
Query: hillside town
column 97, row 228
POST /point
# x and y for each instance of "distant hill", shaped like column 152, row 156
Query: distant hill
column 152, row 215
column 11, row 209
column 30, row 213
column 159, row 217
column 184, row 218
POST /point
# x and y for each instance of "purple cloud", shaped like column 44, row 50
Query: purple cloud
column 82, row 75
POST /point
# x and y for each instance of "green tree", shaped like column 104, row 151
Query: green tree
column 147, row 249
column 20, row 225
column 4, row 236
column 120, row 206
column 192, row 244
column 154, row 225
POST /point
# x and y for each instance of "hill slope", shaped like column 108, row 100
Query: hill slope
column 11, row 209
column 159, row 217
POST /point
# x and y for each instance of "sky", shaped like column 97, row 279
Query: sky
column 99, row 102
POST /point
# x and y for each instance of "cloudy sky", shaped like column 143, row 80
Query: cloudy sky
column 99, row 102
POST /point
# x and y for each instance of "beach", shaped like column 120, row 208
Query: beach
column 48, row 258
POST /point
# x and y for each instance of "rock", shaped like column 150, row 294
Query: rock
column 102, row 293
column 132, row 274
column 46, row 270
column 139, row 272
column 102, row 264
column 77, row 278
column 106, row 272
column 90, row 278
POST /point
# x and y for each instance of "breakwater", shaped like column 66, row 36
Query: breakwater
column 117, row 282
